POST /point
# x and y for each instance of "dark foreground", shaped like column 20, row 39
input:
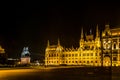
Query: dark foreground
column 79, row 73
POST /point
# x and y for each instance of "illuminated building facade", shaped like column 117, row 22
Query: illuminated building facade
column 2, row 51
column 111, row 46
column 25, row 56
column 93, row 51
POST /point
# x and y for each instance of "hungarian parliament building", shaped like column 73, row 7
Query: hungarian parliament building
column 101, row 50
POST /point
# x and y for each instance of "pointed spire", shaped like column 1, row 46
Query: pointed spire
column 72, row 47
column 48, row 43
column 107, row 26
column 90, row 31
column 97, row 32
column 58, row 42
column 85, row 34
column 82, row 33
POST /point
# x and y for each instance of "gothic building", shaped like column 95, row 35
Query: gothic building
column 101, row 50
column 111, row 46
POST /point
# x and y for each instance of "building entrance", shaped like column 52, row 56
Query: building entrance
column 106, row 61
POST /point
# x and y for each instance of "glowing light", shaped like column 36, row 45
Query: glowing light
column 90, row 50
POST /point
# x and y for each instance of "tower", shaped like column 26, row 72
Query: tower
column 97, row 39
column 58, row 42
column 81, row 39
column 47, row 52
column 48, row 44
column 106, row 46
column 53, row 54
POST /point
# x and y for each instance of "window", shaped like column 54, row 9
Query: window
column 114, row 46
column 76, row 62
column 49, row 55
column 83, row 54
column 91, row 61
column 66, row 55
column 114, row 58
column 87, row 47
column 87, row 54
column 95, row 54
column 72, row 55
column 115, row 52
column 114, row 40
column 91, row 54
column 69, row 55
column 87, row 61
column 106, row 34
column 63, row 55
column 80, row 54
column 54, row 55
column 95, row 61
column 92, row 48
column 66, row 61
column 69, row 61
column 75, row 55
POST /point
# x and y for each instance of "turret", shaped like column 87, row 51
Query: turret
column 48, row 43
column 97, row 39
column 82, row 36
column 97, row 32
column 107, row 31
column 58, row 42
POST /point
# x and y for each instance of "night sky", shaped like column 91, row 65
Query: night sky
column 37, row 22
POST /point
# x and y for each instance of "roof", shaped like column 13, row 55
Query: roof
column 115, row 31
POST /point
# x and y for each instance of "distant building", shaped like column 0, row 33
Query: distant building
column 12, row 62
column 25, row 56
column 101, row 50
column 3, row 56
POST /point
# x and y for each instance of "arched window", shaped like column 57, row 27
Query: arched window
column 114, row 46
column 106, row 33
column 114, row 58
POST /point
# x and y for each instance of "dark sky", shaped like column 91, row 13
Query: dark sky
column 37, row 22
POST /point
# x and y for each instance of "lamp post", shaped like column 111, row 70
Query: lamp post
column 111, row 49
